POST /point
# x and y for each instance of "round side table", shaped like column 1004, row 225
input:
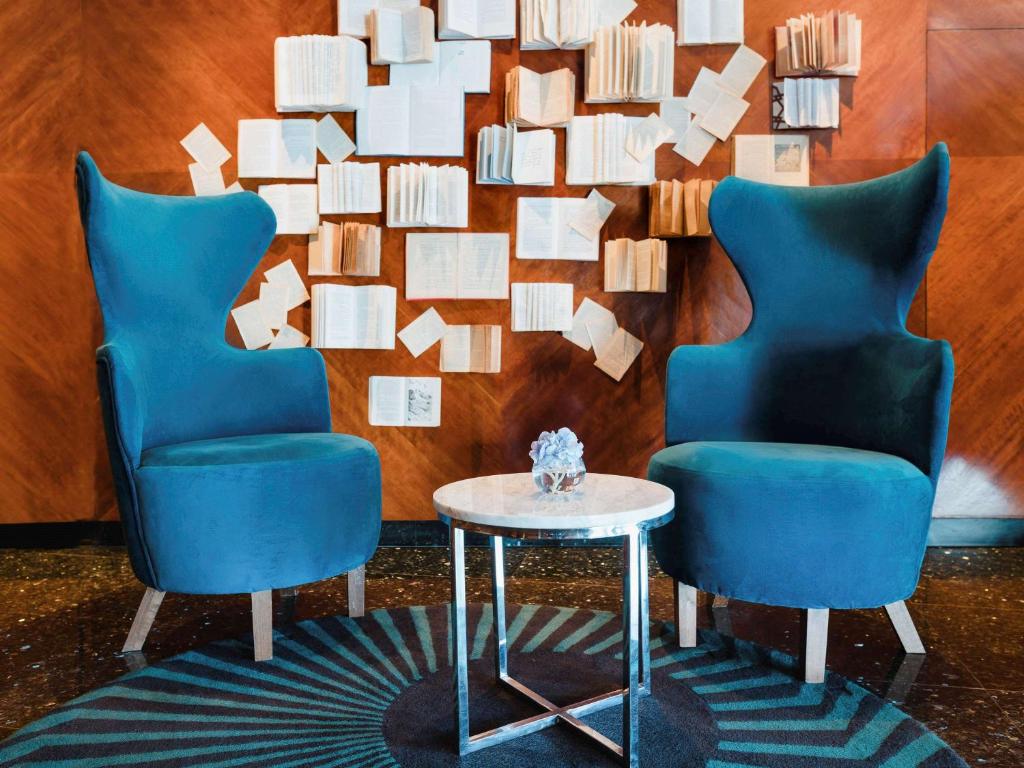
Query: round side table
column 503, row 506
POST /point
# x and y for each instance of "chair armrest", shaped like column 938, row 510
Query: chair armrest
column 120, row 400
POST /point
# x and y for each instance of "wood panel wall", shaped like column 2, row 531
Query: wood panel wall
column 127, row 80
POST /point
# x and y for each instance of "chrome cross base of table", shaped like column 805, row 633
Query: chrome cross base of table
column 635, row 655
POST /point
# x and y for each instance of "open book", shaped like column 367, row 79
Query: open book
column 617, row 354
column 457, row 19
column 354, row 15
column 542, row 306
column 471, row 349
column 630, row 62
column 505, row 155
column 596, row 152
column 546, row 24
column 353, row 316
column 421, row 195
column 543, row 230
column 710, row 22
column 638, row 266
column 277, row 149
column 533, row 100
column 464, row 64
column 456, row 266
column 405, row 401
column 350, row 249
column 680, row 209
column 294, row 206
column 349, row 187
column 401, row 36
column 805, row 102
column 772, row 159
column 406, row 120
column 812, row 45
column 317, row 73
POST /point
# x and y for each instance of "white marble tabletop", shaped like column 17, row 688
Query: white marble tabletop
column 513, row 501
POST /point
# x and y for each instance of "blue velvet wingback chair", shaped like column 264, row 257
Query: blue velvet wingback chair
column 228, row 477
column 804, row 454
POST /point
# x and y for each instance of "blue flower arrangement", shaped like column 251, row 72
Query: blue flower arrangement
column 558, row 461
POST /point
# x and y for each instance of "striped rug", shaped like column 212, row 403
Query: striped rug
column 377, row 692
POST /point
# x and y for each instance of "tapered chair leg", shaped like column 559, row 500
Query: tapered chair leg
column 903, row 623
column 262, row 625
column 686, row 615
column 143, row 620
column 720, row 601
column 357, row 592
column 288, row 592
column 816, row 645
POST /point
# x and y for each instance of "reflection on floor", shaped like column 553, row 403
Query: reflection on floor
column 64, row 615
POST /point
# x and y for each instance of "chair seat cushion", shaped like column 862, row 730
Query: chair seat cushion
column 808, row 526
column 258, row 511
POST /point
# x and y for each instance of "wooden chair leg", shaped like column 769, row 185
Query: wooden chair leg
column 720, row 601
column 288, row 592
column 815, row 645
column 262, row 625
column 903, row 623
column 686, row 615
column 357, row 592
column 143, row 620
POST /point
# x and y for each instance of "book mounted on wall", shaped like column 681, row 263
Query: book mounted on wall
column 543, row 229
column 777, row 158
column 353, row 316
column 405, row 401
column 319, row 73
column 639, row 266
column 471, row 349
column 680, row 209
column 403, row 120
column 567, row 24
column 805, row 102
column 422, row 195
column 535, row 100
column 354, row 15
column 348, row 187
column 506, row 155
column 829, row 44
column 464, row 64
column 629, row 62
column 709, row 22
column 401, row 36
column 277, row 149
column 596, row 152
column 480, row 19
column 452, row 265
column 350, row 249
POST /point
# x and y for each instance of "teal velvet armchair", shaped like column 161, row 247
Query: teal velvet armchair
column 228, row 477
column 804, row 454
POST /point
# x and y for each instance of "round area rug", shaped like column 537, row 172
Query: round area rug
column 377, row 692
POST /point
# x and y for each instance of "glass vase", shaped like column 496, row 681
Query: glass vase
column 559, row 481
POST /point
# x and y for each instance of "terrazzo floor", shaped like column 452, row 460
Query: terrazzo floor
column 64, row 614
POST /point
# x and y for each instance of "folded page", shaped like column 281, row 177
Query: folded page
column 724, row 114
column 252, row 327
column 542, row 306
column 205, row 182
column 695, row 144
column 471, row 349
column 423, row 332
column 294, row 205
column 282, row 149
column 592, row 215
column 591, row 323
column 617, row 354
column 703, row 91
column 676, row 114
column 646, row 136
column 332, row 140
column 289, row 338
column 235, row 187
column 205, row 148
column 287, row 275
column 274, row 304
column 741, row 71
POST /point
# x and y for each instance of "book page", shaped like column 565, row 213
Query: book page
column 252, row 326
column 752, row 158
column 287, row 275
column 431, row 265
column 332, row 140
column 695, row 22
column 533, row 157
column 459, row 19
column 437, row 121
column 646, row 136
column 695, row 144
column 354, row 316
column 703, row 92
column 297, row 156
column 789, row 161
column 205, row 148
column 535, row 227
column 676, row 114
column 542, row 306
column 496, row 18
column 274, row 304
column 387, row 30
column 423, row 332
column 591, row 216
column 383, row 124
column 592, row 325
column 581, row 152
column 422, row 402
column 418, row 35
column 724, row 114
column 352, row 17
column 726, row 21
column 387, row 401
column 289, row 338
column 616, row 355
column 465, row 64
column 206, row 183
column 482, row 265
column 741, row 71
column 258, row 145
column 294, row 206
column 572, row 245
column 456, row 346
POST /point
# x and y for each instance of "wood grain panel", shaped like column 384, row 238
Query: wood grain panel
column 960, row 14
column 151, row 71
column 975, row 82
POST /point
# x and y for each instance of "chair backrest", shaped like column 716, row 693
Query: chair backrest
column 831, row 273
column 167, row 270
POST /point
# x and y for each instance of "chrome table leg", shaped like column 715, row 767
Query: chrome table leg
column 458, row 608
column 498, row 606
column 631, row 649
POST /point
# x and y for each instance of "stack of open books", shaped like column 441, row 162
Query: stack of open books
column 421, row 195
column 818, row 45
column 680, row 209
column 318, row 73
column 350, row 249
column 640, row 266
column 505, row 155
column 533, row 100
column 631, row 62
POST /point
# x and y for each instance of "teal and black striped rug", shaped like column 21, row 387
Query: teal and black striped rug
column 377, row 692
